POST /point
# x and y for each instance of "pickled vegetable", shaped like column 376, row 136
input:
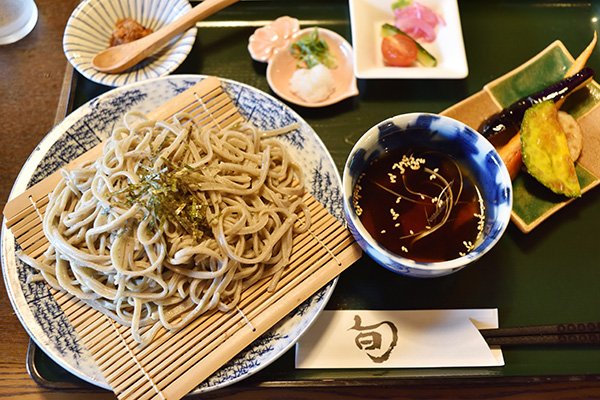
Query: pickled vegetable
column 423, row 56
column 546, row 152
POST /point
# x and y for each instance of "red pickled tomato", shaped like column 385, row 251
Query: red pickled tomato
column 399, row 50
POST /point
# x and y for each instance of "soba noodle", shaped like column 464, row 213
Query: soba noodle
column 172, row 221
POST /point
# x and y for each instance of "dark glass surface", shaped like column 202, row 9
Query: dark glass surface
column 550, row 275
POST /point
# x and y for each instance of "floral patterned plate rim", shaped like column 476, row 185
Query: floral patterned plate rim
column 81, row 130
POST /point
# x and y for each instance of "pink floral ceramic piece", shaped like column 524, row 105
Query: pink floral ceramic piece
column 276, row 35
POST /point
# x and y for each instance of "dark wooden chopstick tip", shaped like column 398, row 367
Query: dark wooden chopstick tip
column 556, row 329
column 575, row 339
column 583, row 333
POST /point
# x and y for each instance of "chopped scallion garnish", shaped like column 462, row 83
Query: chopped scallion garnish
column 311, row 50
column 167, row 196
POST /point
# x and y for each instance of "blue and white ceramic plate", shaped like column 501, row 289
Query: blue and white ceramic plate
column 81, row 130
column 91, row 24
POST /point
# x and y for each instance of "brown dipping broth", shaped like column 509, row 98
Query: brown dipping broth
column 420, row 204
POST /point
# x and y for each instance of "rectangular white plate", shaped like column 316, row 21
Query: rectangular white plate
column 366, row 19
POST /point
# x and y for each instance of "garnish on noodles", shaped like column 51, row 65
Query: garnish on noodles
column 420, row 204
column 167, row 194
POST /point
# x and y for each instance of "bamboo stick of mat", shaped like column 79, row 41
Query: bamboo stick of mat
column 177, row 362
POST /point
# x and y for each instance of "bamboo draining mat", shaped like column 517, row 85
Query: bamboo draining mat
column 174, row 363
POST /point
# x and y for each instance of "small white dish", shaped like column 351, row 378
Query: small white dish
column 91, row 24
column 271, row 44
column 367, row 18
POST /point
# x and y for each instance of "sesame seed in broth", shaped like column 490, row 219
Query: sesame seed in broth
column 420, row 204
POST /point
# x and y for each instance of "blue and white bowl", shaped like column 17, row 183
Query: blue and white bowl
column 459, row 141
column 91, row 24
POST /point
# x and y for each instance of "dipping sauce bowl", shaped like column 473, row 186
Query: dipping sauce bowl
column 425, row 195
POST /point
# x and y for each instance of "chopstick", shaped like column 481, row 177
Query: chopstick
column 585, row 333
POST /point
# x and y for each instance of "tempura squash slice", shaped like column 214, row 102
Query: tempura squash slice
column 546, row 152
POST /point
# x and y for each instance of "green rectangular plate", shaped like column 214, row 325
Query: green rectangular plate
column 532, row 202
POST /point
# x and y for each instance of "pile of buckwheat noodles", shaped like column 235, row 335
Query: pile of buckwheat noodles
column 172, row 221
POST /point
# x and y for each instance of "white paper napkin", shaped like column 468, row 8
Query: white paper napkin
column 399, row 339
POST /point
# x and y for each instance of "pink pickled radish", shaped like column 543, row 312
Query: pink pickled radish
column 418, row 21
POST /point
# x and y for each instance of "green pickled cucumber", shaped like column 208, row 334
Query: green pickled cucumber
column 546, row 152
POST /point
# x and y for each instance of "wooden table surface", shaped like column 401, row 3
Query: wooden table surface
column 32, row 78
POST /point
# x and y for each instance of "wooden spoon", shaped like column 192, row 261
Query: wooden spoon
column 119, row 58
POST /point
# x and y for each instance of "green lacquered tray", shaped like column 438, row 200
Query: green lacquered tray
column 550, row 275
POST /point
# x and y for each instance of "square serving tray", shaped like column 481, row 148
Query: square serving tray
column 550, row 275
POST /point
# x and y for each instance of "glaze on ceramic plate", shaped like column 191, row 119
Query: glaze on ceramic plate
column 34, row 305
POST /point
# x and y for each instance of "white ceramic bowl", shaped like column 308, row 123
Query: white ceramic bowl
column 91, row 24
column 442, row 134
